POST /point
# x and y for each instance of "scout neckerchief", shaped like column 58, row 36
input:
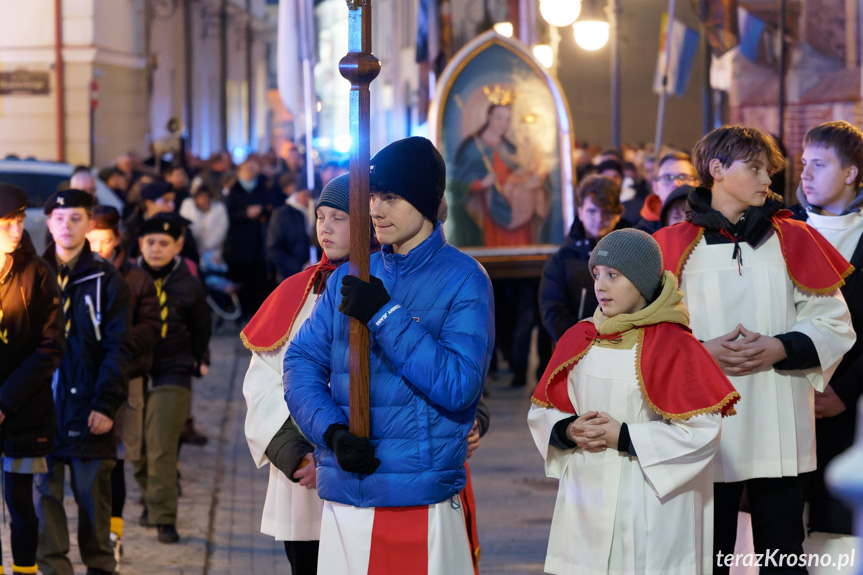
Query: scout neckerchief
column 160, row 278
column 63, row 282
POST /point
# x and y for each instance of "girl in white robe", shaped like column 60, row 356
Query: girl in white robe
column 292, row 509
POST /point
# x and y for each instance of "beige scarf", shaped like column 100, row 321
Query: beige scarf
column 667, row 307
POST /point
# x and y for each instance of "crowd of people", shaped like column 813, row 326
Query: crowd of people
column 704, row 358
column 102, row 336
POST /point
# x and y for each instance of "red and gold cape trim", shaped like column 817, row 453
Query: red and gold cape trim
column 813, row 264
column 677, row 376
column 271, row 325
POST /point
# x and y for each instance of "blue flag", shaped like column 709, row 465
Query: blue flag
column 751, row 29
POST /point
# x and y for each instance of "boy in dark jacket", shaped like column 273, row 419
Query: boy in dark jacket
column 89, row 387
column 31, row 347
column 179, row 354
column 145, row 325
column 566, row 289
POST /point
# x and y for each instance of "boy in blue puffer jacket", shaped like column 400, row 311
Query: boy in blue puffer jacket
column 392, row 500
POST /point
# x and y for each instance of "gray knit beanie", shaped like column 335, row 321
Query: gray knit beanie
column 336, row 194
column 634, row 254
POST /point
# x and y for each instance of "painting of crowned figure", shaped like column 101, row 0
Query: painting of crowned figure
column 503, row 130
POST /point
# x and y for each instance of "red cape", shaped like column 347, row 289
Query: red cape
column 677, row 376
column 813, row 264
column 271, row 325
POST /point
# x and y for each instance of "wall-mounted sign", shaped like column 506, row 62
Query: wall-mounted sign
column 25, row 82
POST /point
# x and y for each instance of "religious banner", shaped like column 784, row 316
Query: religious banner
column 502, row 125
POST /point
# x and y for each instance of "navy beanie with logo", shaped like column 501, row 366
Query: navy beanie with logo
column 413, row 169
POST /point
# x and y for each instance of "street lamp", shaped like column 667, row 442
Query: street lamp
column 560, row 13
column 591, row 35
column 592, row 29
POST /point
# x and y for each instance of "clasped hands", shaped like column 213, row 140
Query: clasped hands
column 594, row 431
column 743, row 352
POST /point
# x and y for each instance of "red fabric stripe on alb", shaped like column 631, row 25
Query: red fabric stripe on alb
column 399, row 541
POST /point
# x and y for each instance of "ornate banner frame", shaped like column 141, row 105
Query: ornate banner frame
column 503, row 126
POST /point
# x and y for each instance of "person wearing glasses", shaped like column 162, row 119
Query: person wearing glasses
column 675, row 170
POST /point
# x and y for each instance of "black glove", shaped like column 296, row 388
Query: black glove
column 362, row 300
column 354, row 454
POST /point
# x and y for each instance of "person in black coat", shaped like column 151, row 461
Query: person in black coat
column 566, row 290
column 31, row 347
column 89, row 388
column 249, row 205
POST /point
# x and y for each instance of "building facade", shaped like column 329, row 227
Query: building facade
column 107, row 79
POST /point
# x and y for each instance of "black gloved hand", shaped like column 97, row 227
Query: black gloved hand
column 354, row 454
column 362, row 300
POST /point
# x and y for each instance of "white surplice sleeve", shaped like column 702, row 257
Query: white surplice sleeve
column 265, row 400
column 672, row 453
column 825, row 319
column 541, row 421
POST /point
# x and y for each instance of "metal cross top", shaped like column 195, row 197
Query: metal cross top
column 360, row 68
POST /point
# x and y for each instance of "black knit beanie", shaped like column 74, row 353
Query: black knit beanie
column 413, row 169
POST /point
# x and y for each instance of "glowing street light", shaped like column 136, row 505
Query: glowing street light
column 560, row 13
column 591, row 34
column 591, row 30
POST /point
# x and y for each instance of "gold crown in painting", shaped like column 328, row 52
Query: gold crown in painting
column 498, row 96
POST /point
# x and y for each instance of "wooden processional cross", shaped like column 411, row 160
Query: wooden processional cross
column 359, row 67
